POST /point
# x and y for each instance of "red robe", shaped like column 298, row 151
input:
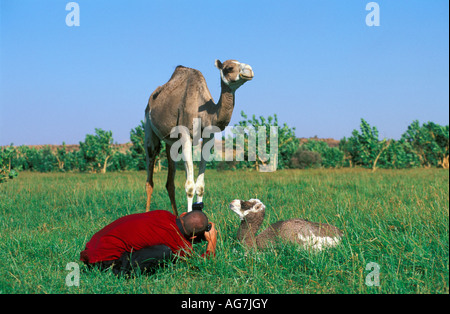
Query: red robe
column 134, row 232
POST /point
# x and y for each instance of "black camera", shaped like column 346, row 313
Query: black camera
column 197, row 206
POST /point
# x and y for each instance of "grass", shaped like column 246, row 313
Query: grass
column 397, row 219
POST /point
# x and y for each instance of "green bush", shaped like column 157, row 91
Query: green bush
column 429, row 142
column 304, row 159
column 331, row 157
column 122, row 161
column 96, row 150
column 137, row 137
column 7, row 155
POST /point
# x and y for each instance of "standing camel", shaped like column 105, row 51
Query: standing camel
column 177, row 103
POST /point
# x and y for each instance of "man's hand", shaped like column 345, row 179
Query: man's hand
column 211, row 233
column 211, row 237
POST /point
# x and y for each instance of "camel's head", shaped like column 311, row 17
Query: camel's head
column 234, row 73
column 247, row 208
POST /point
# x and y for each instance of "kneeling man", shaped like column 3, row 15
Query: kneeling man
column 145, row 240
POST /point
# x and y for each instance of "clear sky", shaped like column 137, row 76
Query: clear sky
column 317, row 64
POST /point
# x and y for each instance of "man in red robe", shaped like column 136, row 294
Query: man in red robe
column 145, row 240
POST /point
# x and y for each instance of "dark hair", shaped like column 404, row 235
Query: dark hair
column 195, row 223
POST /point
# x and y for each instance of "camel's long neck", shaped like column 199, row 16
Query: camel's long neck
column 249, row 227
column 225, row 106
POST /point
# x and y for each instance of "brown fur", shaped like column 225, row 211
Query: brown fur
column 287, row 230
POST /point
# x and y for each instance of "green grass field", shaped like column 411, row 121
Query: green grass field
column 397, row 219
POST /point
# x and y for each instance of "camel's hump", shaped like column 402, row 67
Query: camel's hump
column 185, row 72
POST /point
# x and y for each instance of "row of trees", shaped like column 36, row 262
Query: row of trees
column 420, row 146
column 424, row 145
column 96, row 154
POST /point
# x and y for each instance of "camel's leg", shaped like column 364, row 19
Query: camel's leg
column 200, row 184
column 170, row 185
column 189, row 165
column 152, row 148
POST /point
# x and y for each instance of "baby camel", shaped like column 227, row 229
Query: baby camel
column 308, row 234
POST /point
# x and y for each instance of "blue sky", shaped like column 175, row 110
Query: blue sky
column 317, row 64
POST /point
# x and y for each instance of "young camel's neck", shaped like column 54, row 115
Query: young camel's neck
column 249, row 227
column 225, row 106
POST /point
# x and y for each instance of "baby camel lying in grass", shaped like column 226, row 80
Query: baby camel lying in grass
column 308, row 234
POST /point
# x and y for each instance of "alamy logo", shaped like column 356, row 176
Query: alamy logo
column 73, row 17
column 234, row 145
column 373, row 278
column 73, row 278
column 373, row 17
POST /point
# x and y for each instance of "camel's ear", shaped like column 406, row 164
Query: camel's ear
column 219, row 64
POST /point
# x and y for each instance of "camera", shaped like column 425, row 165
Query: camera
column 197, row 206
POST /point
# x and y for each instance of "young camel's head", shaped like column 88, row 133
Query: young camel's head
column 248, row 209
column 234, row 74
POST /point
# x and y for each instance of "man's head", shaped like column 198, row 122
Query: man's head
column 194, row 223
